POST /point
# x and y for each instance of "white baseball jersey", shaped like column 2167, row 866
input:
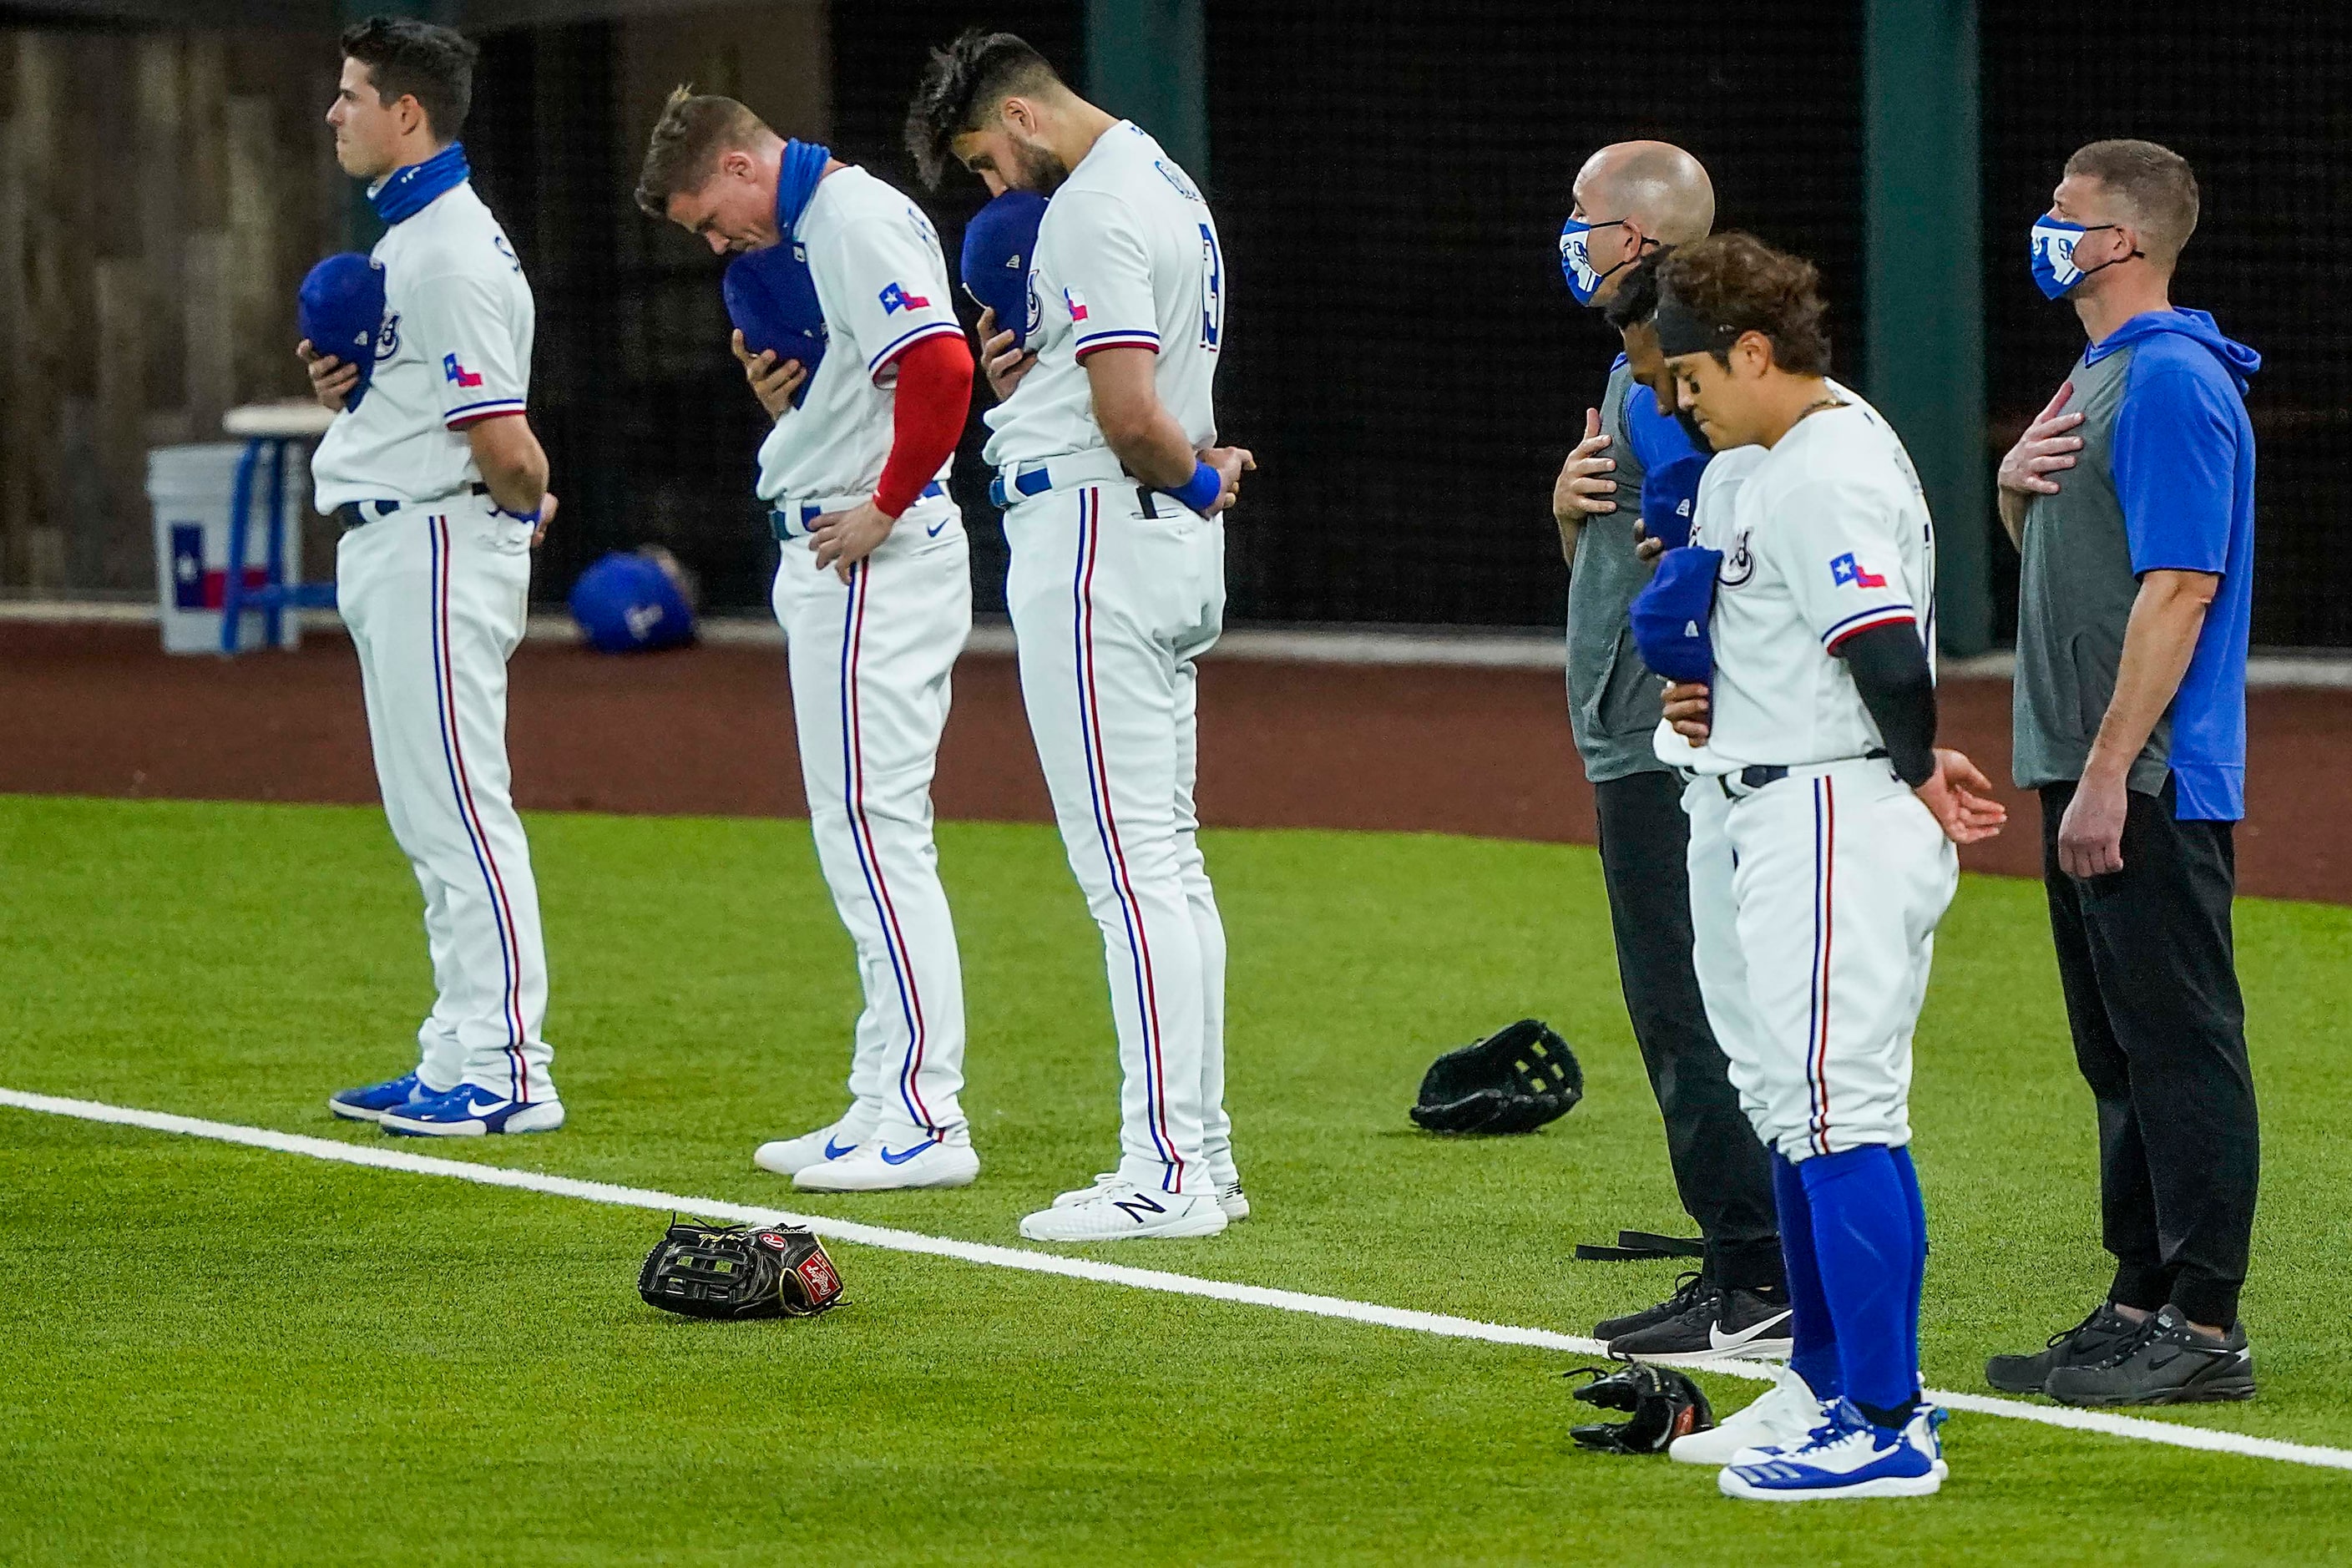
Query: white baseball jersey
column 881, row 280
column 1718, row 492
column 1127, row 257
column 455, row 349
column 1829, row 537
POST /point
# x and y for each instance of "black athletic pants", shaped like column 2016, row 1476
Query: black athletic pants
column 1721, row 1170
column 2146, row 958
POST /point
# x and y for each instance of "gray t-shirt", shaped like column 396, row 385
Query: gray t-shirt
column 2076, row 590
column 1613, row 700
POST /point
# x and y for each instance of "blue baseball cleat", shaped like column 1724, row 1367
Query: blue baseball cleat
column 1845, row 1457
column 469, row 1111
column 370, row 1102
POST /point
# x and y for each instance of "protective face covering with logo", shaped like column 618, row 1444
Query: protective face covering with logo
column 2054, row 255
column 1576, row 257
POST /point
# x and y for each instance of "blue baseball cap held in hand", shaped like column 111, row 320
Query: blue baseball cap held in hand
column 1670, row 616
column 340, row 310
column 632, row 603
column 999, row 244
column 772, row 302
column 1670, row 496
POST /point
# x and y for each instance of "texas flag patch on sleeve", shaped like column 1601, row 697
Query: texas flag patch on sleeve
column 896, row 299
column 1076, row 303
column 1846, row 570
column 453, row 369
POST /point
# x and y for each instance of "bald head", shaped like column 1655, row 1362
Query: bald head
column 1655, row 185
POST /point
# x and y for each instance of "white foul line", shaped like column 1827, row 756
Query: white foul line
column 1440, row 1324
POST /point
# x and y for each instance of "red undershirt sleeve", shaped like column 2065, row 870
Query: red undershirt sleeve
column 934, row 395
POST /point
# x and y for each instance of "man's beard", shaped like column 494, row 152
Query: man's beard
column 1039, row 170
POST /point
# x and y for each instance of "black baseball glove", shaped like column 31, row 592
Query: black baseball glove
column 739, row 1271
column 1514, row 1080
column 1664, row 1404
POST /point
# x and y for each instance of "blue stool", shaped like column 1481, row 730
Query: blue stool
column 271, row 430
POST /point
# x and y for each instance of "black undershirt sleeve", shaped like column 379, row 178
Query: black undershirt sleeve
column 1890, row 669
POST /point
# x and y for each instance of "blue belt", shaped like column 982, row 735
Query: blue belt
column 783, row 522
column 1036, row 481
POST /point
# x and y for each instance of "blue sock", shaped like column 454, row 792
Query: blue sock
column 1908, row 1174
column 1814, row 1353
column 1865, row 1250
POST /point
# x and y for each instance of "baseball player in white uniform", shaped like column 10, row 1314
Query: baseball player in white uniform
column 1841, row 817
column 442, row 488
column 873, row 590
column 1107, row 467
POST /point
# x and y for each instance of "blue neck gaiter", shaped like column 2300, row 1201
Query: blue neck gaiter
column 803, row 167
column 405, row 193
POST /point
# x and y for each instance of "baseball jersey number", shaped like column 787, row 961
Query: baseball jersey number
column 1213, row 289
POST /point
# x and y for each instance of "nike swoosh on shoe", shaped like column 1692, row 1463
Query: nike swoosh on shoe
column 830, row 1153
column 890, row 1159
column 1723, row 1341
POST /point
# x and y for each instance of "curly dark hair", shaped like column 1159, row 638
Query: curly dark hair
column 961, row 90
column 1636, row 300
column 1739, row 284
column 409, row 58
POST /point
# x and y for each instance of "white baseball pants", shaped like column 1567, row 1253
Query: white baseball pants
column 1841, row 874
column 1110, row 607
column 1715, row 958
column 869, row 661
column 435, row 596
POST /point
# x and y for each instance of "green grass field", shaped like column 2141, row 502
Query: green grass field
column 211, row 1354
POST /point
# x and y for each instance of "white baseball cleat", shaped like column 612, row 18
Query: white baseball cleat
column 1119, row 1210
column 1779, row 1417
column 791, row 1156
column 884, row 1164
column 1230, row 1196
column 1104, row 1180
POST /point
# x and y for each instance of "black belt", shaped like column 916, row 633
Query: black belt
column 1756, row 777
column 359, row 513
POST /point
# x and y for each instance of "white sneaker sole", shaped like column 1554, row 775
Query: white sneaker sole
column 355, row 1112
column 1733, row 1485
column 945, row 1167
column 1204, row 1219
column 1759, row 1349
column 544, row 1117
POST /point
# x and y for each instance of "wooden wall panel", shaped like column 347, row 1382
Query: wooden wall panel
column 161, row 194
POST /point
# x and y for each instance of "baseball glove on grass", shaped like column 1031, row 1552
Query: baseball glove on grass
column 1664, row 1404
column 739, row 1271
column 1514, row 1080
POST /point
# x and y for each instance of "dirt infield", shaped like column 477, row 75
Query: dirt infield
column 99, row 710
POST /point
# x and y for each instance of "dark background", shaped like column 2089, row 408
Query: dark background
column 1389, row 180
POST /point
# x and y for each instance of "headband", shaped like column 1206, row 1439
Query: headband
column 1683, row 330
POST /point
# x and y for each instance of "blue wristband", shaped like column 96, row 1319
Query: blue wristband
column 531, row 517
column 1201, row 492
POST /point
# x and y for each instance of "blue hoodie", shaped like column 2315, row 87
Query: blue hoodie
column 2168, row 447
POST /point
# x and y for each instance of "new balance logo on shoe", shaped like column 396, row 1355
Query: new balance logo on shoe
column 1139, row 1207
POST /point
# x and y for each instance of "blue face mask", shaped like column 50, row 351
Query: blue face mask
column 2054, row 272
column 1576, row 257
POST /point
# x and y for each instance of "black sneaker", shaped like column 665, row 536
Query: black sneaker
column 1687, row 1289
column 1717, row 1324
column 2086, row 1341
column 2165, row 1362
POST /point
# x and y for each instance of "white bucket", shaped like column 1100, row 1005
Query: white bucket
column 191, row 489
